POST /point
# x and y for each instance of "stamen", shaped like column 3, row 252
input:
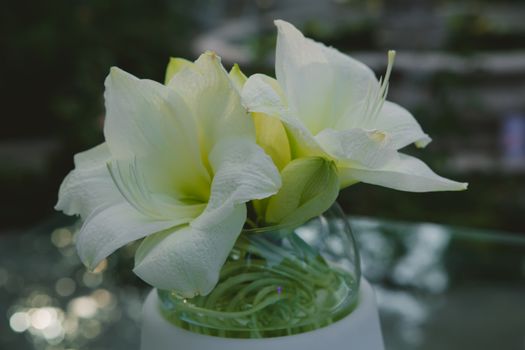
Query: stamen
column 391, row 59
column 380, row 98
column 368, row 102
column 377, row 136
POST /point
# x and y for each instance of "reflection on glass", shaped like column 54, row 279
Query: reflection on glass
column 54, row 303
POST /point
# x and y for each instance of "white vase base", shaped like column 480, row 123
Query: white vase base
column 360, row 330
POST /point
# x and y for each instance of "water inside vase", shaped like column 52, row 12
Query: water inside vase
column 276, row 282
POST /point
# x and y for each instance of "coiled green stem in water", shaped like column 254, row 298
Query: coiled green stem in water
column 272, row 285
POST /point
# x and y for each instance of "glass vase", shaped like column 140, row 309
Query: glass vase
column 277, row 281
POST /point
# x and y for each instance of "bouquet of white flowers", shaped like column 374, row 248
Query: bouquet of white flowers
column 188, row 164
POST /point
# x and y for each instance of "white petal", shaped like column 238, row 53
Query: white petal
column 263, row 94
column 189, row 259
column 149, row 121
column 243, row 172
column 368, row 148
column 322, row 85
column 106, row 230
column 405, row 173
column 89, row 186
column 131, row 183
column 92, row 158
column 214, row 100
column 400, row 126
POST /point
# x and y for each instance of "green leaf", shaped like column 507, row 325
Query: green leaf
column 310, row 186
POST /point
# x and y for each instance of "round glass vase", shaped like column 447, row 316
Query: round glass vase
column 278, row 281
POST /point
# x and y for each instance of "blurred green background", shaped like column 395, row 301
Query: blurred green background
column 460, row 69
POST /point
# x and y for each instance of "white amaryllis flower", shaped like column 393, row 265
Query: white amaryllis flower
column 178, row 165
column 333, row 106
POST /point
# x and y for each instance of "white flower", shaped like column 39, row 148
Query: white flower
column 333, row 106
column 178, row 165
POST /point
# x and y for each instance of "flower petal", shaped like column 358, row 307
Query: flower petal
column 243, row 172
column 189, row 259
column 215, row 102
column 263, row 94
column 237, row 77
column 368, row 148
column 89, row 186
column 310, row 186
column 321, row 83
column 128, row 177
column 175, row 65
column 399, row 125
column 404, row 173
column 149, row 121
column 271, row 136
column 104, row 231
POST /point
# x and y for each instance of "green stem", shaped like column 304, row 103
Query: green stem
column 269, row 288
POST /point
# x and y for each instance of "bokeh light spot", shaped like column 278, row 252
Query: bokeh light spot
column 62, row 237
column 84, row 307
column 20, row 322
column 65, row 286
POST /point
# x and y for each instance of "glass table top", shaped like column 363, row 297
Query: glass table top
column 438, row 287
